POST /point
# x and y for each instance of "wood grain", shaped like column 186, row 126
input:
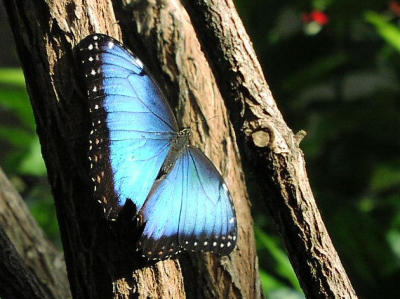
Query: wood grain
column 270, row 149
column 24, row 248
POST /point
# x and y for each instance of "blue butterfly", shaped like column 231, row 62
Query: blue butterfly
column 137, row 153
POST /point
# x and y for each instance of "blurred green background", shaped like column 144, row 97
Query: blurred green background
column 333, row 67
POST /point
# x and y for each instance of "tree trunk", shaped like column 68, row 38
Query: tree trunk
column 99, row 262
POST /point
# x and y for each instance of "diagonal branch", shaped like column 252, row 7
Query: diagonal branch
column 270, row 148
column 24, row 249
column 16, row 280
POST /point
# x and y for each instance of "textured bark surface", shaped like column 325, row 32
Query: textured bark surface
column 16, row 279
column 45, row 32
column 167, row 42
column 24, row 248
column 99, row 262
column 271, row 149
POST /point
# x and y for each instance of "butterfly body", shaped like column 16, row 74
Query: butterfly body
column 136, row 152
column 178, row 146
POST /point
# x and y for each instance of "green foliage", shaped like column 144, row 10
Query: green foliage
column 278, row 272
column 341, row 85
column 42, row 207
column 13, row 96
column 17, row 129
column 388, row 31
column 20, row 152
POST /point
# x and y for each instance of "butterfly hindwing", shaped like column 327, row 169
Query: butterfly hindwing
column 190, row 209
column 132, row 125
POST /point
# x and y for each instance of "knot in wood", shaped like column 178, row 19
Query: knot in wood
column 261, row 138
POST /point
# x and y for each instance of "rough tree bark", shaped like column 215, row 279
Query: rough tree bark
column 99, row 262
column 16, row 279
column 30, row 265
column 270, row 148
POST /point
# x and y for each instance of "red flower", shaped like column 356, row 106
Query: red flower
column 316, row 16
column 395, row 7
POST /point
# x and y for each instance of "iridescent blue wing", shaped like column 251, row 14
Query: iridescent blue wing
column 132, row 124
column 190, row 209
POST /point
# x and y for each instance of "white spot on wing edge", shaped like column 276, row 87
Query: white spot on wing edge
column 138, row 62
column 225, row 188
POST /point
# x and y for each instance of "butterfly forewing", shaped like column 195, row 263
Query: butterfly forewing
column 132, row 125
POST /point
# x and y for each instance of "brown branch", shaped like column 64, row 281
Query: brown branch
column 34, row 251
column 16, row 280
column 100, row 263
column 271, row 149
